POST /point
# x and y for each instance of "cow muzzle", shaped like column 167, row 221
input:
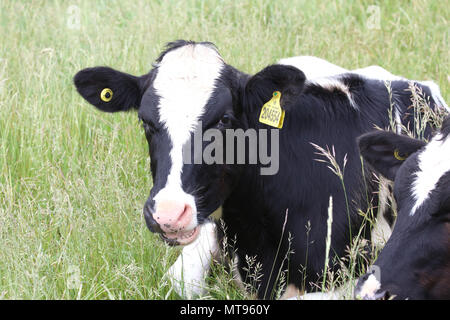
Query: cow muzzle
column 173, row 220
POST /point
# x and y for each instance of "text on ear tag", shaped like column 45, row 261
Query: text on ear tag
column 271, row 112
column 106, row 94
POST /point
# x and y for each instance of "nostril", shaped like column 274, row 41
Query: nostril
column 186, row 215
column 183, row 213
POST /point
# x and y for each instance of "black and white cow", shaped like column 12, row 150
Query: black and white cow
column 191, row 87
column 415, row 263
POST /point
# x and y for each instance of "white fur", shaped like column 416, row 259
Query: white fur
column 332, row 83
column 342, row 293
column 318, row 296
column 184, row 82
column 324, row 73
column 436, row 94
column 382, row 231
column 313, row 67
column 320, row 72
column 370, row 287
column 434, row 162
column 377, row 73
column 189, row 271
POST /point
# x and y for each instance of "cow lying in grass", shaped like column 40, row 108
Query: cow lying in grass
column 276, row 114
column 188, row 273
column 415, row 263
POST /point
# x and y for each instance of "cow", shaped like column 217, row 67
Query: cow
column 266, row 202
column 189, row 271
column 415, row 263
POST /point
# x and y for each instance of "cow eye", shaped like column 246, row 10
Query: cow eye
column 225, row 120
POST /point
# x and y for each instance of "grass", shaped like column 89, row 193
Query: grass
column 73, row 180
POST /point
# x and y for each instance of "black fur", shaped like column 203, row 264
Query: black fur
column 445, row 130
column 127, row 89
column 378, row 150
column 286, row 79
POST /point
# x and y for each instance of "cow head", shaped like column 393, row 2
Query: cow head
column 189, row 88
column 415, row 263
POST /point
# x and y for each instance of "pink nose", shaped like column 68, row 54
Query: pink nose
column 173, row 216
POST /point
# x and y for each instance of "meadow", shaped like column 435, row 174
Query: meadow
column 73, row 180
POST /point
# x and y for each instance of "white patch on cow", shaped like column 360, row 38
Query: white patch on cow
column 370, row 287
column 313, row 67
column 436, row 94
column 376, row 73
column 334, row 83
column 382, row 231
column 319, row 72
column 324, row 73
column 189, row 271
column 317, row 296
column 185, row 81
column 344, row 292
column 433, row 163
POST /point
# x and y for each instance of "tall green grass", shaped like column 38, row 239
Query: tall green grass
column 73, row 180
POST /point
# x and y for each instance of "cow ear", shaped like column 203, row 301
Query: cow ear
column 108, row 89
column 286, row 79
column 386, row 151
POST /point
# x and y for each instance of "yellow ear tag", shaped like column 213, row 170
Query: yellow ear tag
column 271, row 112
column 106, row 95
column 398, row 156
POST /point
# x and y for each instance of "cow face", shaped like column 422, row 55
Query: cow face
column 415, row 263
column 189, row 90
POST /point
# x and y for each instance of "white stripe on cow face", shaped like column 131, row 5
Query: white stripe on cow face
column 185, row 81
column 434, row 162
